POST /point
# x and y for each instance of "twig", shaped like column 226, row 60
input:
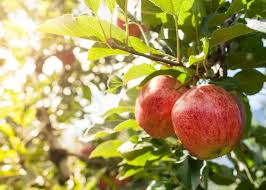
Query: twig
column 178, row 52
column 151, row 56
column 127, row 28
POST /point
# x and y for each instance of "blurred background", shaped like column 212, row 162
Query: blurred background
column 50, row 94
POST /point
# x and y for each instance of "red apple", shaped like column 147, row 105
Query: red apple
column 134, row 29
column 66, row 56
column 86, row 150
column 207, row 121
column 154, row 105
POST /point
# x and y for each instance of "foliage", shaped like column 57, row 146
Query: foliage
column 195, row 41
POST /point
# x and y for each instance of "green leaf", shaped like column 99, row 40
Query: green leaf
column 257, row 25
column 224, row 34
column 142, row 159
column 96, row 53
column 128, row 171
column 203, row 55
column 128, row 124
column 107, row 149
column 250, row 81
column 111, row 5
column 248, row 115
column 259, row 133
column 217, row 19
column 93, row 5
column 188, row 173
column 131, row 150
column 228, row 83
column 7, row 130
column 82, row 27
column 220, row 174
column 173, row 7
column 138, row 71
column 86, row 91
column 114, row 85
column 174, row 72
column 119, row 110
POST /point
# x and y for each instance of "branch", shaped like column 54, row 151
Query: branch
column 151, row 56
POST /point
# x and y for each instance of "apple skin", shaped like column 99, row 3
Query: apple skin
column 207, row 121
column 154, row 104
column 86, row 150
column 133, row 28
column 103, row 184
column 66, row 56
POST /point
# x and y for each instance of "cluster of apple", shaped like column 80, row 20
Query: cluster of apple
column 207, row 119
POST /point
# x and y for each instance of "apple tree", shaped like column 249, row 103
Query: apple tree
column 127, row 44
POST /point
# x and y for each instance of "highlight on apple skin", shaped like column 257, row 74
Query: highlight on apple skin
column 207, row 121
column 154, row 105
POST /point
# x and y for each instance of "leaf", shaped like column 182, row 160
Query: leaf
column 86, row 91
column 107, row 149
column 138, row 71
column 96, row 53
column 111, row 5
column 203, row 55
column 82, row 27
column 128, row 171
column 221, row 174
column 259, row 133
column 228, row 83
column 114, row 85
column 224, row 34
column 189, row 173
column 142, row 159
column 172, row 6
column 119, row 110
column 174, row 72
column 128, row 124
column 7, row 130
column 131, row 150
column 93, row 5
column 250, row 81
column 248, row 115
column 217, row 19
column 258, row 25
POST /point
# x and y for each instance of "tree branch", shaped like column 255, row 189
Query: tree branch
column 151, row 56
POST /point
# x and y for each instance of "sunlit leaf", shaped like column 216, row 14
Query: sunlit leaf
column 138, row 71
column 96, row 53
column 107, row 149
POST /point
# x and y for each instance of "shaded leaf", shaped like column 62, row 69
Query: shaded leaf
column 224, row 34
column 250, row 81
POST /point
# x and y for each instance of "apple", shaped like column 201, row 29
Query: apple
column 154, row 104
column 133, row 29
column 66, row 56
column 207, row 121
column 112, row 181
column 86, row 150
